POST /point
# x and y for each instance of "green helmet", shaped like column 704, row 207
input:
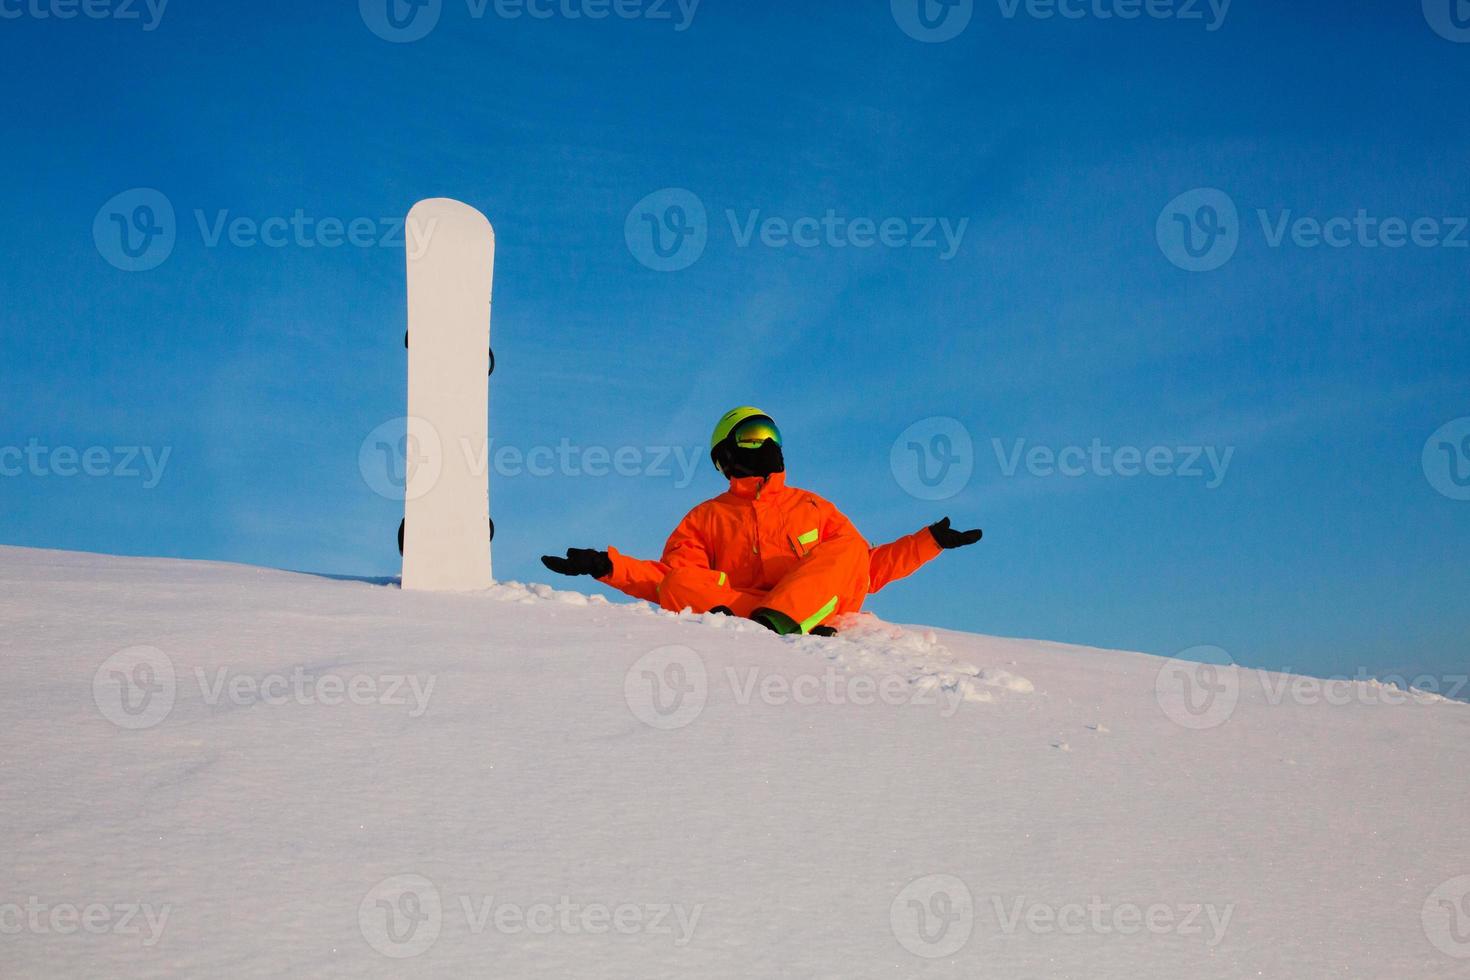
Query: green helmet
column 730, row 419
column 746, row 441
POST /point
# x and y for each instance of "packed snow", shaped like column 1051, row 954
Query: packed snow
column 211, row 769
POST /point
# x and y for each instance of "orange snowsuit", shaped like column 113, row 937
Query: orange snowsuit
column 763, row 544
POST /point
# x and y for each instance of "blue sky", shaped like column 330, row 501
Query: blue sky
column 1061, row 153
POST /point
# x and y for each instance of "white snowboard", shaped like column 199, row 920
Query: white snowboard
column 446, row 511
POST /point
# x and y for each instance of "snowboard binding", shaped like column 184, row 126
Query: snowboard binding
column 404, row 521
column 491, row 351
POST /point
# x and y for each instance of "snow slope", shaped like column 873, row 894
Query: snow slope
column 210, row 769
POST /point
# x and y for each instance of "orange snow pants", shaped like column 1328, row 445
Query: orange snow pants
column 831, row 579
column 766, row 545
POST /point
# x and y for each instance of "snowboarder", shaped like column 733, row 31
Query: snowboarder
column 778, row 555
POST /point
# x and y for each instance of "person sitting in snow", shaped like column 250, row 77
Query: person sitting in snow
column 769, row 552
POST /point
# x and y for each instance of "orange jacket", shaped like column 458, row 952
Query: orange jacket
column 757, row 532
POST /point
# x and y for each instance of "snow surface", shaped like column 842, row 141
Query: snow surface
column 210, row 769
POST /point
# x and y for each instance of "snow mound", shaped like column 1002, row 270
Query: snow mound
column 865, row 644
column 210, row 770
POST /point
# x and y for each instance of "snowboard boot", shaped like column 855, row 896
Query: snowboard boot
column 776, row 622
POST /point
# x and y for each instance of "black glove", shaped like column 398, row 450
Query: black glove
column 580, row 561
column 947, row 537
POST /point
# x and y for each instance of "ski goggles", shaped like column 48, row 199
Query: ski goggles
column 753, row 433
